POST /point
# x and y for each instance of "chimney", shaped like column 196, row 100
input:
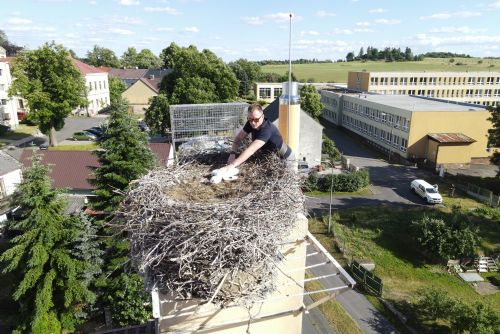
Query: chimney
column 151, row 76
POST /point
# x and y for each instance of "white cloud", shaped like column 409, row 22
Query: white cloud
column 377, row 10
column 388, row 21
column 495, row 5
column 18, row 20
column 254, row 20
column 191, row 29
column 424, row 39
column 120, row 31
column 363, row 24
column 92, row 2
column 164, row 29
column 309, row 33
column 129, row 2
column 448, row 15
column 125, row 20
column 338, row 31
column 276, row 18
column 168, row 10
column 323, row 42
column 463, row 30
column 363, row 30
column 32, row 28
column 324, row 13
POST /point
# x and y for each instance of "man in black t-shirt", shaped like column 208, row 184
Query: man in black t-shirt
column 265, row 136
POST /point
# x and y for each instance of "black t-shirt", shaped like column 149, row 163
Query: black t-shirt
column 268, row 133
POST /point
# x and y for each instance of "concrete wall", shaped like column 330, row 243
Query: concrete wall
column 191, row 314
column 453, row 154
column 473, row 124
column 8, row 105
column 358, row 81
column 98, row 92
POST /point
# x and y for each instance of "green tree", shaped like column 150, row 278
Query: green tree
column 197, row 77
column 100, row 56
column 52, row 290
column 124, row 156
column 116, row 88
column 328, row 147
column 349, row 56
column 129, row 58
column 247, row 73
column 3, row 37
column 494, row 134
column 445, row 240
column 126, row 297
column 408, row 54
column 310, row 101
column 51, row 84
column 147, row 59
column 157, row 116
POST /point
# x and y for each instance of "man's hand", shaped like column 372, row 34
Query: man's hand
column 231, row 158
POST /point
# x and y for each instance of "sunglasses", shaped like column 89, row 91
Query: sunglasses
column 255, row 120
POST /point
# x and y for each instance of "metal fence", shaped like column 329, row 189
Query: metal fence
column 483, row 195
column 372, row 282
column 189, row 121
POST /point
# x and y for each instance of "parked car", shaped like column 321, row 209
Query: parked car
column 95, row 130
column 427, row 191
column 84, row 135
column 303, row 168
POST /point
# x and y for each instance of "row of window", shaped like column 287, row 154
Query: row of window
column 394, row 81
column 101, row 85
column 442, row 92
column 378, row 134
column 99, row 103
column 265, row 92
column 396, row 121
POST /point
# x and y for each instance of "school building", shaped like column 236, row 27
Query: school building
column 412, row 127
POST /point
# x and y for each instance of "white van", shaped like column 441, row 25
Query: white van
column 428, row 192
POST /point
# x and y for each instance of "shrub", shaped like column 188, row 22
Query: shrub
column 311, row 183
column 3, row 129
column 348, row 182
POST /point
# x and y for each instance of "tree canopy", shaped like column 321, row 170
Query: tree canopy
column 116, row 88
column 51, row 84
column 247, row 73
column 494, row 134
column 157, row 116
column 310, row 101
column 53, row 290
column 125, row 156
column 143, row 59
column 197, row 77
column 100, row 56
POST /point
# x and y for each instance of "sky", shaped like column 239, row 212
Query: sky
column 257, row 29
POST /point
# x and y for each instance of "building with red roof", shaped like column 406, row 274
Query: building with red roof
column 96, row 81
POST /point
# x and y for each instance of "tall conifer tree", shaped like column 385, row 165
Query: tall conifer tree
column 51, row 291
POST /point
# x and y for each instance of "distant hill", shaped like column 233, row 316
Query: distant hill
column 337, row 72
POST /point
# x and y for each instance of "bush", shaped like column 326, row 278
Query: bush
column 348, row 182
column 3, row 129
column 310, row 183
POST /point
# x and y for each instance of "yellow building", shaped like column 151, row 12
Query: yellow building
column 413, row 127
column 270, row 91
column 470, row 87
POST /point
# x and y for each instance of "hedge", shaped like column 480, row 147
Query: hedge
column 345, row 182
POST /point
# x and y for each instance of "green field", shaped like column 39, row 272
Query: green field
column 337, row 72
column 383, row 236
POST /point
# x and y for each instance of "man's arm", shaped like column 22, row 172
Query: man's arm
column 236, row 144
column 250, row 150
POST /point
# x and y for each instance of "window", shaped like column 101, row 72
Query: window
column 104, row 84
column 396, row 121
column 421, row 92
column 411, row 92
column 480, row 81
column 90, row 86
column 454, row 81
column 277, row 91
column 432, row 81
column 394, row 81
column 430, row 93
column 383, row 81
column 95, row 85
column 100, row 86
column 388, row 137
column 403, row 81
column 265, row 93
column 406, row 124
column 390, row 119
column 383, row 117
column 468, row 93
column 413, row 81
column 423, row 81
column 0, row 72
column 374, row 81
column 498, row 81
column 3, row 102
column 496, row 93
column 490, row 81
column 395, row 140
column 404, row 143
column 2, row 87
column 479, row 93
column 439, row 80
column 472, row 81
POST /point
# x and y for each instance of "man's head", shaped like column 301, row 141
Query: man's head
column 255, row 115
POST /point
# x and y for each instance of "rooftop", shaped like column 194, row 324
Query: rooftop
column 8, row 164
column 85, row 68
column 415, row 103
column 451, row 138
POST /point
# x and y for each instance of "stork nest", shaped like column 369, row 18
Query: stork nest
column 214, row 242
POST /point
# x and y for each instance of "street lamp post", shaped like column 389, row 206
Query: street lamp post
column 331, row 195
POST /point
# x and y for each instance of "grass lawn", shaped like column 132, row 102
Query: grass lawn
column 75, row 147
column 22, row 131
column 337, row 72
column 383, row 235
column 334, row 313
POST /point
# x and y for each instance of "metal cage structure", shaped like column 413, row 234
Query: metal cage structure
column 210, row 120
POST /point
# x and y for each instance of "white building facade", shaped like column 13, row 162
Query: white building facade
column 97, row 93
column 8, row 105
